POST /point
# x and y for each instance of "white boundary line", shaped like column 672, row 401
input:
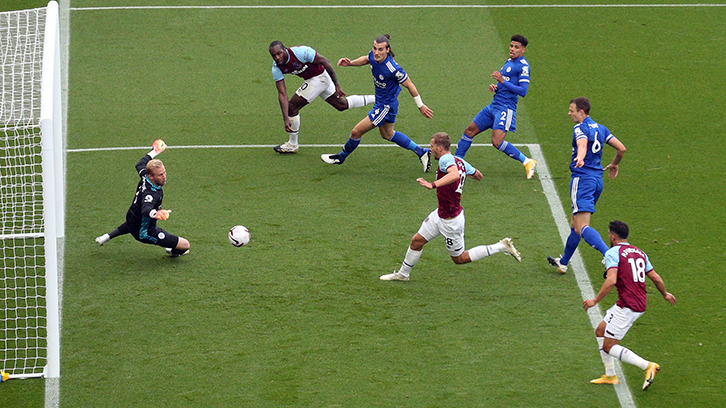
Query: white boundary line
column 406, row 6
column 558, row 213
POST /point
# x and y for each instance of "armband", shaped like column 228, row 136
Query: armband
column 433, row 184
column 419, row 102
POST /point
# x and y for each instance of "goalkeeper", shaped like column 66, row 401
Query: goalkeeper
column 146, row 208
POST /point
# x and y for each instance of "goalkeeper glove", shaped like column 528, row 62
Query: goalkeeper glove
column 4, row 376
column 161, row 214
column 158, row 147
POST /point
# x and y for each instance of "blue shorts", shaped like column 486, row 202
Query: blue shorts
column 496, row 117
column 381, row 114
column 584, row 192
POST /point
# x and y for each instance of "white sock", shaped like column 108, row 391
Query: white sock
column 357, row 101
column 607, row 359
column 626, row 356
column 409, row 261
column 295, row 124
column 483, row 251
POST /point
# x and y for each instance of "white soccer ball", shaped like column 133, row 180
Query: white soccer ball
column 239, row 236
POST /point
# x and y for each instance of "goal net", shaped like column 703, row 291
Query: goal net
column 31, row 192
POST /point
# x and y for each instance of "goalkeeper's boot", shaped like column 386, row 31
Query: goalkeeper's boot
column 509, row 249
column 426, row 160
column 397, row 276
column 529, row 167
column 650, row 373
column 173, row 255
column 102, row 239
column 606, row 379
column 556, row 262
column 286, row 148
column 332, row 158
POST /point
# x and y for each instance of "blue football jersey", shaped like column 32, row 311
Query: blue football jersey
column 597, row 137
column 387, row 77
column 516, row 73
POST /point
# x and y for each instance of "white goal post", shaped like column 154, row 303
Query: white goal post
column 32, row 192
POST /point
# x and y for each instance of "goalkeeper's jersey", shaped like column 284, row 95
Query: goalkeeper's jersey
column 146, row 202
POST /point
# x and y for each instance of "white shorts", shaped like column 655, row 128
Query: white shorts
column 618, row 321
column 321, row 85
column 452, row 230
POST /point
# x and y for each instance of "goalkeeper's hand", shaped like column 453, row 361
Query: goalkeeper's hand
column 158, row 146
column 162, row 215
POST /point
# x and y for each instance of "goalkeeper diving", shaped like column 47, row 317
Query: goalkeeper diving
column 146, row 208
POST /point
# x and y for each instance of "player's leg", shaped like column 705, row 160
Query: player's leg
column 621, row 321
column 481, row 122
column 174, row 245
column 428, row 230
column 607, row 359
column 350, row 101
column 364, row 126
column 589, row 190
column 296, row 103
column 389, row 133
column 121, row 230
column 506, row 122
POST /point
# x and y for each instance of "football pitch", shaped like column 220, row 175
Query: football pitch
column 299, row 316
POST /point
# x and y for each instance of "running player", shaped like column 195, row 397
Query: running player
column 388, row 77
column 146, row 208
column 588, row 139
column 448, row 218
column 500, row 116
column 627, row 266
column 319, row 80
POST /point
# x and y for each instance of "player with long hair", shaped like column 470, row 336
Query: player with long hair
column 388, row 77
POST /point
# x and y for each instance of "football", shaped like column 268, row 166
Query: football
column 239, row 236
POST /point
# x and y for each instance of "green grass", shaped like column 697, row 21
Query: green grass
column 299, row 318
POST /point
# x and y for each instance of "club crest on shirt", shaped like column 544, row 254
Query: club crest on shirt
column 148, row 198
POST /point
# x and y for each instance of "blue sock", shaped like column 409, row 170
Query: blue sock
column 463, row 145
column 570, row 246
column 594, row 239
column 511, row 151
column 348, row 148
column 405, row 142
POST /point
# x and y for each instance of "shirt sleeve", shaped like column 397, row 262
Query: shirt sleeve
column 648, row 266
column 304, row 53
column 611, row 257
column 276, row 73
column 445, row 162
column 577, row 133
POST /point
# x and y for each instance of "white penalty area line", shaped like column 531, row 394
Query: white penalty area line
column 577, row 266
column 250, row 146
column 402, row 6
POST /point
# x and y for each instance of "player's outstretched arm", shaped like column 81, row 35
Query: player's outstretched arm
column 319, row 59
column 408, row 84
column 347, row 62
column 607, row 286
column 660, row 285
column 612, row 168
column 162, row 214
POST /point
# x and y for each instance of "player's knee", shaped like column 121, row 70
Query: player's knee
column 343, row 105
column 183, row 244
column 461, row 259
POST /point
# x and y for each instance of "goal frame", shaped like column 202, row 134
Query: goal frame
column 53, row 184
